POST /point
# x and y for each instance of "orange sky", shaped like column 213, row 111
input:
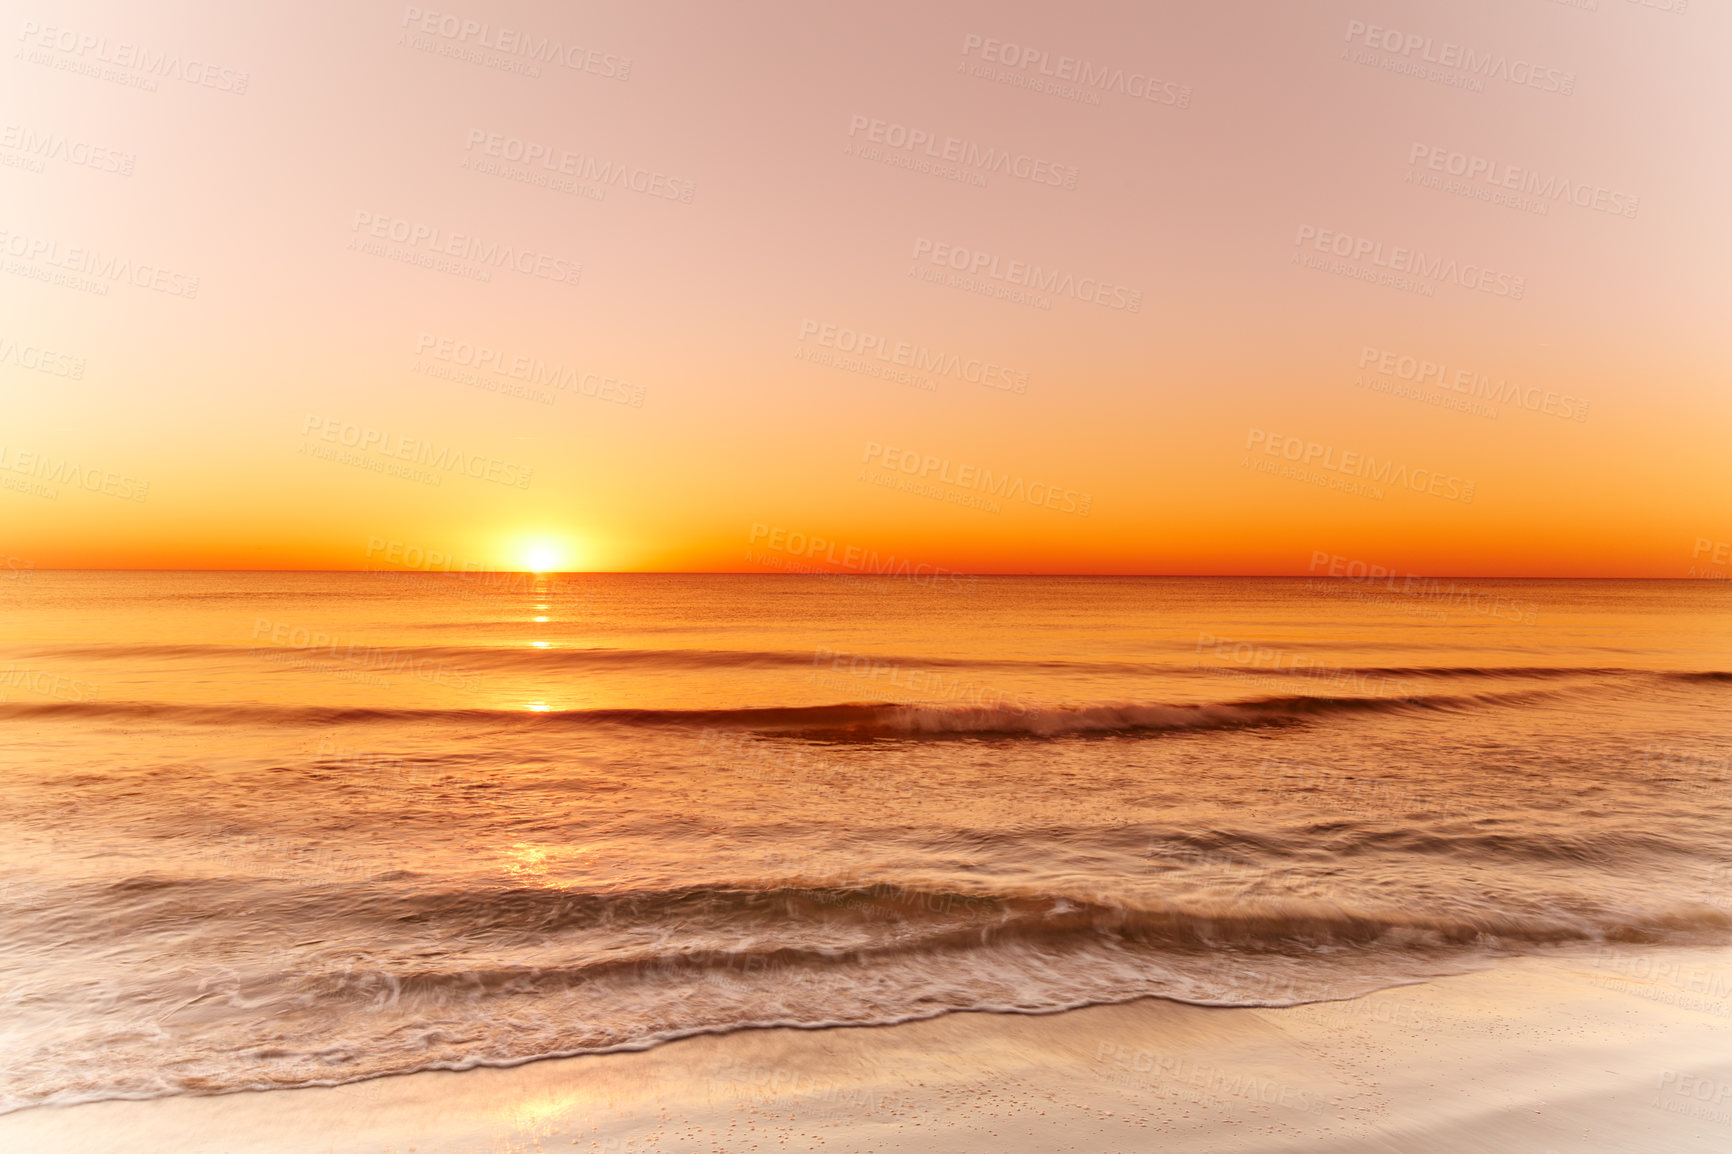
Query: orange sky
column 1216, row 288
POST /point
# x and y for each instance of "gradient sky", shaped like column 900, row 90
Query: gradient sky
column 699, row 426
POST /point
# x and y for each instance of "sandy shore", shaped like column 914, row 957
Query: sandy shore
column 1623, row 1051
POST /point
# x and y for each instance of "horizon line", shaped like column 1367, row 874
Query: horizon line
column 846, row 573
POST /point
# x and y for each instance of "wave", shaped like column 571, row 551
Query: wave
column 850, row 720
column 797, row 921
column 889, row 720
column 527, row 974
column 946, row 920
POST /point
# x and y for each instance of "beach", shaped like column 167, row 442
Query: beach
column 1618, row 1050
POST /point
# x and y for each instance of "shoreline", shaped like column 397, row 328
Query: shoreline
column 1625, row 1050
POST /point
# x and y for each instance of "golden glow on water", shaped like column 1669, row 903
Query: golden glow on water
column 548, row 865
column 527, row 861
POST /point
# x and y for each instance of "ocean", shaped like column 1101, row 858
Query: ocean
column 284, row 829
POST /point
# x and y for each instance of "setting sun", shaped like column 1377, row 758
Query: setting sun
column 544, row 556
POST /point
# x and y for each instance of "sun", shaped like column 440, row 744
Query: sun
column 542, row 555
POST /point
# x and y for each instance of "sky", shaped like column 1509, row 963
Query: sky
column 1248, row 288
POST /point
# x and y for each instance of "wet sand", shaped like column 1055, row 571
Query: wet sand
column 1618, row 1051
